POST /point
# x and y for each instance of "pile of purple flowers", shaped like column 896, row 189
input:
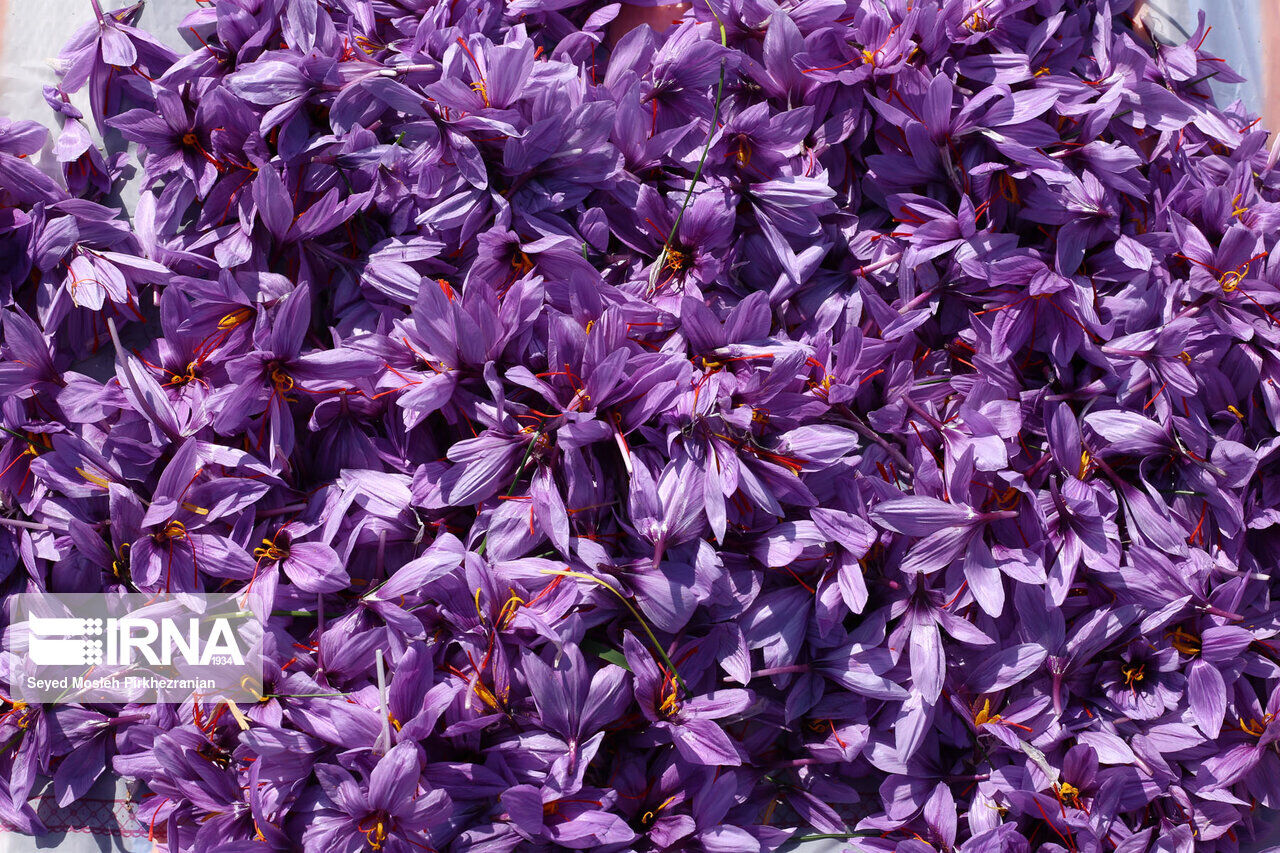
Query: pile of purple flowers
column 852, row 415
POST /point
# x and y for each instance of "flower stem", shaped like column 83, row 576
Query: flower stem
column 382, row 700
column 862, row 429
column 878, row 265
column 25, row 525
column 780, row 670
column 697, row 174
column 643, row 624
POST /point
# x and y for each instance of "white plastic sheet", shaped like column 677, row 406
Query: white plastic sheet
column 33, row 31
column 1236, row 35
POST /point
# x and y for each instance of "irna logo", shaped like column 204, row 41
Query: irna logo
column 132, row 647
column 131, row 640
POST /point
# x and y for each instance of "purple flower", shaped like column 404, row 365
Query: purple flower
column 575, row 710
column 1143, row 682
column 388, row 811
column 312, row 566
column 691, row 721
column 817, row 418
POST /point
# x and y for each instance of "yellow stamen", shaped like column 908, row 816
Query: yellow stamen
column 272, row 552
column 281, row 380
column 508, row 611
column 94, row 478
column 378, row 835
column 188, row 376
column 1133, row 673
column 670, row 701
column 120, row 564
column 173, row 530
column 254, row 687
column 486, row 695
column 235, row 318
column 985, row 716
column 677, row 260
column 1255, row 726
column 1185, row 642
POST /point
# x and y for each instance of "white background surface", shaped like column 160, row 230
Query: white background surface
column 33, row 31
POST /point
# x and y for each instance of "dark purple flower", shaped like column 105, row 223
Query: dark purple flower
column 816, row 418
column 388, row 811
column 1144, row 682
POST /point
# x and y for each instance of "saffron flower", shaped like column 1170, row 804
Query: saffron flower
column 850, row 419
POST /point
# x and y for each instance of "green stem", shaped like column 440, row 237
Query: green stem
column 21, row 437
column 528, row 452
column 706, row 149
column 643, row 624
